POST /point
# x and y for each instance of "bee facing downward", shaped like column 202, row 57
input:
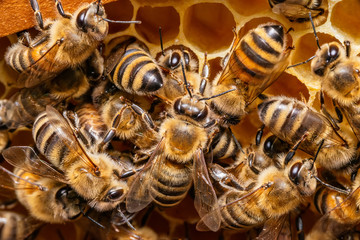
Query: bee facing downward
column 63, row 43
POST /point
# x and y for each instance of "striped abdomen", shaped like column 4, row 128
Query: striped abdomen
column 290, row 119
column 171, row 183
column 21, row 58
column 91, row 124
column 49, row 142
column 326, row 200
column 224, row 145
column 137, row 72
column 259, row 54
column 239, row 215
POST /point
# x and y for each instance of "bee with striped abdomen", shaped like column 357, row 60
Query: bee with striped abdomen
column 65, row 42
column 298, row 10
column 132, row 68
column 255, row 62
column 92, row 174
column 41, row 188
column 289, row 119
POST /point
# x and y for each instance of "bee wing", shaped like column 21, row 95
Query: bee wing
column 25, row 158
column 44, row 65
column 205, row 196
column 66, row 134
column 139, row 195
column 273, row 227
column 9, row 180
column 254, row 88
column 245, row 199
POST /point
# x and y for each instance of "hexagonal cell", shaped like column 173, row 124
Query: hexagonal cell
column 208, row 26
column 305, row 48
column 215, row 67
column 152, row 18
column 345, row 16
column 4, row 44
column 288, row 85
column 121, row 10
column 248, row 8
column 22, row 138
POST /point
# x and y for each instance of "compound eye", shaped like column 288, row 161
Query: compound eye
column 80, row 20
column 115, row 194
column 333, row 53
column 294, row 172
column 174, row 60
column 268, row 145
column 187, row 58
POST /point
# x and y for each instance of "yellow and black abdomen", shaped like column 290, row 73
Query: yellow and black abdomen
column 137, row 73
column 171, row 183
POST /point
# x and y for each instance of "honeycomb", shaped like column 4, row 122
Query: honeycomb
column 206, row 26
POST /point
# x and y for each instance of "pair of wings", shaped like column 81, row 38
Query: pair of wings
column 139, row 195
column 255, row 88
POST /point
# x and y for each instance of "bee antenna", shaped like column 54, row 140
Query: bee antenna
column 317, row 152
column 217, row 95
column 91, row 219
column 186, row 83
column 161, row 42
column 301, row 63
column 331, row 186
column 313, row 26
column 124, row 22
column 291, row 153
column 125, row 219
column 98, row 6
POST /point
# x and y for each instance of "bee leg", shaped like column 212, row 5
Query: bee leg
column 75, row 126
column 35, row 6
column 237, row 143
column 144, row 115
column 9, row 204
column 224, row 178
column 299, row 228
column 292, row 151
column 60, row 9
column 205, row 72
column 326, row 113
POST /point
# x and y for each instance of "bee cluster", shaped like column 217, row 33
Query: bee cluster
column 220, row 130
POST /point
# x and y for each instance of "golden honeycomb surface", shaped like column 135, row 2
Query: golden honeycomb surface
column 206, row 26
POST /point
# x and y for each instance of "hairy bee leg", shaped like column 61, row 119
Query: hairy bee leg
column 338, row 112
column 35, row 6
column 130, row 173
column 60, row 9
column 292, row 151
column 111, row 132
column 299, row 228
column 144, row 115
column 75, row 126
column 205, row 72
column 229, row 182
column 237, row 143
column 326, row 113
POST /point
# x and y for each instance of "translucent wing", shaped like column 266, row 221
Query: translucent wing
column 139, row 195
column 44, row 66
column 244, row 198
column 235, row 74
column 66, row 134
column 296, row 11
column 9, row 180
column 273, row 227
column 26, row 159
column 205, row 196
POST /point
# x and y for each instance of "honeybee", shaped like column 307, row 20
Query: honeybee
column 255, row 62
column 125, row 118
column 298, row 10
column 41, row 188
column 23, row 107
column 94, row 175
column 177, row 161
column 169, row 60
column 132, row 68
column 277, row 192
column 289, row 119
column 63, row 43
column 16, row 226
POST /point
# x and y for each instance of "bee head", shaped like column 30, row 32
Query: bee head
column 191, row 107
column 90, row 20
column 326, row 57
